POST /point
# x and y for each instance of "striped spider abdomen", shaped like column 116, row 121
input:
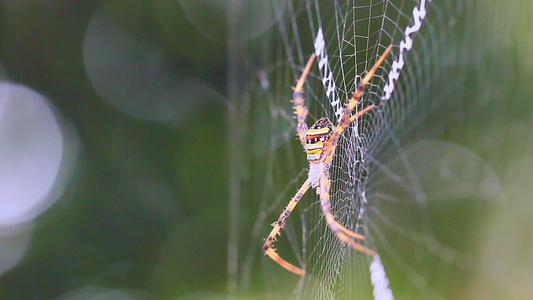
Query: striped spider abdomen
column 317, row 138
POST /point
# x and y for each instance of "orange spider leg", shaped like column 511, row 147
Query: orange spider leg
column 366, row 79
column 278, row 225
column 333, row 224
column 362, row 112
column 345, row 120
column 342, row 232
column 348, row 231
column 299, row 103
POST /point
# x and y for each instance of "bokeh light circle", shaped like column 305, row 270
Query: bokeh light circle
column 30, row 156
column 134, row 76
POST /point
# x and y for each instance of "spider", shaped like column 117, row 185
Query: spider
column 320, row 142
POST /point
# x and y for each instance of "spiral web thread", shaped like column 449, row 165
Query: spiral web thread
column 375, row 189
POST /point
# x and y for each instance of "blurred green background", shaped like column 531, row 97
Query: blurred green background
column 146, row 207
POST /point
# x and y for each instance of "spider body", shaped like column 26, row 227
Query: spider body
column 316, row 143
column 320, row 142
column 317, row 139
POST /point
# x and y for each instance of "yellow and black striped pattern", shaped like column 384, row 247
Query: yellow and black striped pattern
column 317, row 138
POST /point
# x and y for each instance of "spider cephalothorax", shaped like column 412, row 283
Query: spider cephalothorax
column 319, row 143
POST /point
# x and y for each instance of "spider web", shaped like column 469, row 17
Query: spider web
column 400, row 175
